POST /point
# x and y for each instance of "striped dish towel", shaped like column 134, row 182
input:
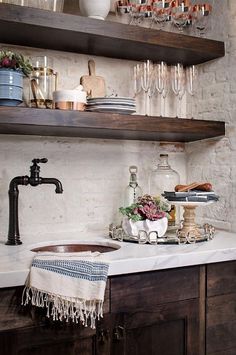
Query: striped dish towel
column 70, row 285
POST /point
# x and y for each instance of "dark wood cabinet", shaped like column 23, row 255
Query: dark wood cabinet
column 142, row 312
column 184, row 311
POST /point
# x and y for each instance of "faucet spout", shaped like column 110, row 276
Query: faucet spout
column 33, row 180
column 55, row 182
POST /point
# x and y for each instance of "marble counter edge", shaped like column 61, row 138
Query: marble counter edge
column 130, row 258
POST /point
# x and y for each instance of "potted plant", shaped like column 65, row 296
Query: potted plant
column 13, row 67
column 148, row 214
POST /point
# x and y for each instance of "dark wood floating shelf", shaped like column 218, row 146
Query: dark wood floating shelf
column 44, row 29
column 43, row 122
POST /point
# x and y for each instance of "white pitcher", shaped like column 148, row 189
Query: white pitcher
column 98, row 9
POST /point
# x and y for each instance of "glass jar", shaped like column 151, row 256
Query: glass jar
column 43, row 81
column 133, row 190
column 164, row 178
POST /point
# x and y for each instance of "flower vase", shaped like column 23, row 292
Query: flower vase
column 98, row 9
column 11, row 87
column 132, row 228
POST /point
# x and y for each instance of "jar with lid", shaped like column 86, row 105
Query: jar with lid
column 133, row 190
column 164, row 178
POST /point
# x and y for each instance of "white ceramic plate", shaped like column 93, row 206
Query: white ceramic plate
column 124, row 103
column 112, row 98
column 122, row 110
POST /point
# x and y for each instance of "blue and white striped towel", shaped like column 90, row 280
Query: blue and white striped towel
column 70, row 285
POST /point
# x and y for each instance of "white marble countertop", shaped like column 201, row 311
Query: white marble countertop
column 129, row 258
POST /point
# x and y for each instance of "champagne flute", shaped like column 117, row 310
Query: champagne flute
column 146, row 82
column 178, row 84
column 161, row 82
column 191, row 83
column 137, row 79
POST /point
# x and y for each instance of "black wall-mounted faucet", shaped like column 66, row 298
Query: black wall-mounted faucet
column 34, row 180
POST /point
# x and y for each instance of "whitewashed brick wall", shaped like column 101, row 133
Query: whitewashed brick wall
column 215, row 160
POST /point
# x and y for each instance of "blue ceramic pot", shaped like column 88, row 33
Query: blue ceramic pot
column 11, row 87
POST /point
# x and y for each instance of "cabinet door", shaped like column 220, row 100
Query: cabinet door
column 173, row 329
column 221, row 309
column 170, row 329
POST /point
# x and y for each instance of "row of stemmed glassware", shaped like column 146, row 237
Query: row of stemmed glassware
column 151, row 78
column 181, row 13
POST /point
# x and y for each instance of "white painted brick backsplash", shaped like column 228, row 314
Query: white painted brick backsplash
column 94, row 172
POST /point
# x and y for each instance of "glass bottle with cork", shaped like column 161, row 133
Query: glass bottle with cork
column 164, row 178
column 133, row 190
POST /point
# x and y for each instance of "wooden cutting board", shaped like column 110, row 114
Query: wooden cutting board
column 94, row 85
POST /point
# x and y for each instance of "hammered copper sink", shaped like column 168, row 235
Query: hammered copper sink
column 75, row 248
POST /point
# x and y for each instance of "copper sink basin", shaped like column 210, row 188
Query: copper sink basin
column 75, row 248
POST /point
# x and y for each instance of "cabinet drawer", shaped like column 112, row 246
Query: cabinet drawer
column 221, row 278
column 146, row 290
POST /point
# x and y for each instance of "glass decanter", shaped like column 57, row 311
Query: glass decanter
column 164, row 178
column 133, row 190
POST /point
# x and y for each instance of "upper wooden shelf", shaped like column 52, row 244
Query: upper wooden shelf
column 43, row 122
column 45, row 29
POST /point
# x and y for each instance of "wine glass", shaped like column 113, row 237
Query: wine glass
column 191, row 83
column 135, row 12
column 161, row 12
column 178, row 84
column 146, row 14
column 140, row 10
column 123, row 10
column 180, row 14
column 201, row 15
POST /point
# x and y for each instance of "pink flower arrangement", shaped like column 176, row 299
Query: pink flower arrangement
column 15, row 61
column 147, row 207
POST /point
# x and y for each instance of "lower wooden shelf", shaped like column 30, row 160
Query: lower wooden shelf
column 43, row 122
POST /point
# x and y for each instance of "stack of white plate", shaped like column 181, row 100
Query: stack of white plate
column 123, row 105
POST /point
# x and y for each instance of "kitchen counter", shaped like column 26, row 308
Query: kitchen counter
column 129, row 258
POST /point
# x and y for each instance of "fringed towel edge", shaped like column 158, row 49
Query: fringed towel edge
column 64, row 308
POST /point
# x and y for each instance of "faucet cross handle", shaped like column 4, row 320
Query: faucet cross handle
column 35, row 170
column 37, row 160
